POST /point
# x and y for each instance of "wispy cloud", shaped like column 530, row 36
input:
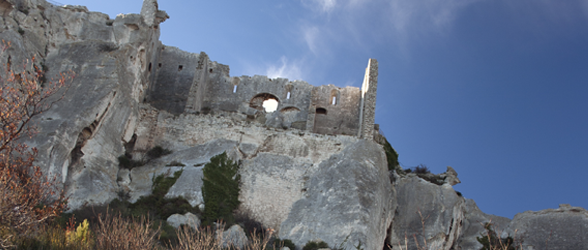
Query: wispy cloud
column 285, row 69
column 311, row 37
column 418, row 17
column 325, row 6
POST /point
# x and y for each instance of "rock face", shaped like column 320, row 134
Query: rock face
column 561, row 228
column 83, row 134
column 429, row 215
column 473, row 225
column 310, row 170
column 348, row 201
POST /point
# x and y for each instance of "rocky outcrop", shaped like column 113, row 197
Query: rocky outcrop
column 428, row 216
column 81, row 137
column 558, row 229
column 347, row 202
column 298, row 177
column 473, row 225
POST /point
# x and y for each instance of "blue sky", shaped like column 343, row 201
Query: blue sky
column 497, row 89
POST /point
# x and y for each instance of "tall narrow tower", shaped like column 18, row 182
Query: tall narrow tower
column 367, row 110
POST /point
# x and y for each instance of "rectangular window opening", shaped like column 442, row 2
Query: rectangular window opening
column 288, row 95
column 334, row 101
column 235, row 89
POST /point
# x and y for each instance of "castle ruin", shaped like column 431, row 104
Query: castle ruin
column 184, row 82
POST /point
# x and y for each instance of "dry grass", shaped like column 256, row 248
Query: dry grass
column 115, row 232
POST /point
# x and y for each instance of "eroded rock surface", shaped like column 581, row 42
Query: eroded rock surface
column 563, row 228
column 473, row 225
column 348, row 197
column 433, row 213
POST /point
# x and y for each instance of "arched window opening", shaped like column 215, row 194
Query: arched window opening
column 288, row 95
column 289, row 109
column 334, row 96
column 235, row 89
column 264, row 101
column 270, row 105
column 321, row 111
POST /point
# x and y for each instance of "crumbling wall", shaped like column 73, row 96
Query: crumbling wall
column 368, row 100
column 174, row 75
column 336, row 110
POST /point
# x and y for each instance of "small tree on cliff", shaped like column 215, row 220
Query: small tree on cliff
column 220, row 189
column 27, row 197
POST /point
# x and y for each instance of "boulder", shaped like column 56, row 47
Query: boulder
column 348, row 201
column 557, row 229
column 188, row 186
column 176, row 220
column 428, row 213
column 234, row 236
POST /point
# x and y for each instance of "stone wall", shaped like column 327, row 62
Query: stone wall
column 368, row 100
column 184, row 82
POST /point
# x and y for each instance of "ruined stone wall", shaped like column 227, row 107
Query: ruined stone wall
column 189, row 83
column 368, row 100
column 174, row 74
column 336, row 110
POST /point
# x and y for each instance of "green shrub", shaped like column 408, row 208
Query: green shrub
column 279, row 243
column 313, row 245
column 391, row 155
column 220, row 190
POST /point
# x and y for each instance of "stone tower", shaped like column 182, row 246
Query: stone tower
column 367, row 109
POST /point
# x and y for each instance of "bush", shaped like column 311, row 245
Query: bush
column 391, row 154
column 313, row 245
column 491, row 241
column 279, row 243
column 28, row 198
column 220, row 189
column 421, row 169
column 116, row 232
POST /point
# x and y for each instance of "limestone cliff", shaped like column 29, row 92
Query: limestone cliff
column 310, row 170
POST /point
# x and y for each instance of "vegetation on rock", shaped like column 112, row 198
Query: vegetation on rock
column 28, row 198
column 220, row 189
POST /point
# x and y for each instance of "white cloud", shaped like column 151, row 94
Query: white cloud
column 311, row 37
column 320, row 5
column 285, row 69
column 425, row 16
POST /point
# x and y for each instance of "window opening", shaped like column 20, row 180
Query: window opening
column 321, row 111
column 334, row 100
column 149, row 67
column 235, row 89
column 288, row 95
column 270, row 105
column 180, row 68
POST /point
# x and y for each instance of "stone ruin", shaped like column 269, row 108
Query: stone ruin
column 186, row 83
